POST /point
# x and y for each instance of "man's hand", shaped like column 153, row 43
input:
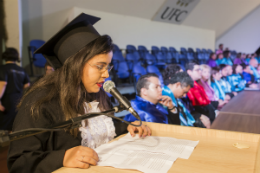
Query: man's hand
column 143, row 130
column 167, row 101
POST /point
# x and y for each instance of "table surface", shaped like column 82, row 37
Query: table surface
column 241, row 114
column 237, row 122
column 214, row 153
column 246, row 102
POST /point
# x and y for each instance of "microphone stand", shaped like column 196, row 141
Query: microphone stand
column 6, row 138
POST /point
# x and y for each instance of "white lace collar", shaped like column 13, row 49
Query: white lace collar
column 98, row 130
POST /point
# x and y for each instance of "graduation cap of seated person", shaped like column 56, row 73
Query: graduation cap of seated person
column 69, row 40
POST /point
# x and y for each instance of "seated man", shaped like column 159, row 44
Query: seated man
column 249, row 77
column 253, row 63
column 146, row 103
column 197, row 94
column 226, row 86
column 177, row 87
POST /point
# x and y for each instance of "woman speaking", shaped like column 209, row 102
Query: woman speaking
column 81, row 58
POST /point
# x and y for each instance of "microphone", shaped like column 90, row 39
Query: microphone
column 109, row 87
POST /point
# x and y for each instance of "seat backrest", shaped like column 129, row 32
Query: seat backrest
column 198, row 50
column 172, row 49
column 138, row 69
column 183, row 50
column 154, row 69
column 130, row 48
column 150, row 59
column 160, row 57
column 38, row 59
column 190, row 50
column 155, row 50
column 164, row 50
column 116, row 48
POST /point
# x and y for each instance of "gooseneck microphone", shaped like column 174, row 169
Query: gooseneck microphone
column 109, row 87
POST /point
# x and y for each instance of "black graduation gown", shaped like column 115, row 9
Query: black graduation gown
column 43, row 152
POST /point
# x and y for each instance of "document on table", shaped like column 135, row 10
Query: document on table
column 149, row 154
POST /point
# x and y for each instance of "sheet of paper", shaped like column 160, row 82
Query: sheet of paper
column 144, row 161
column 149, row 154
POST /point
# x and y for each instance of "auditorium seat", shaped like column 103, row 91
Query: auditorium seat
column 137, row 72
column 38, row 59
column 154, row 69
column 155, row 50
column 142, row 50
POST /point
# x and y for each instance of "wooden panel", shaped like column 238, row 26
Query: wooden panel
column 215, row 152
column 246, row 102
column 237, row 122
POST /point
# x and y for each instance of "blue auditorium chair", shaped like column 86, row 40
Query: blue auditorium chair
column 161, row 60
column 38, row 59
column 164, row 50
column 154, row 69
column 137, row 72
column 132, row 59
column 175, row 54
column 116, row 48
column 122, row 72
column 155, row 50
column 142, row 50
column 130, row 48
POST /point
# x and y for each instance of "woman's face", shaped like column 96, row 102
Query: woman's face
column 239, row 69
column 213, row 56
column 217, row 76
column 220, row 56
column 205, row 74
column 95, row 72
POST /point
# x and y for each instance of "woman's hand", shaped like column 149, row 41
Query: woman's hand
column 143, row 130
column 80, row 157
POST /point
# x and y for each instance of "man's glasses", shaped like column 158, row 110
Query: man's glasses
column 102, row 68
column 198, row 70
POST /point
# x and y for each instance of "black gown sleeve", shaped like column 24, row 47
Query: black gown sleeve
column 174, row 118
column 43, row 152
column 120, row 127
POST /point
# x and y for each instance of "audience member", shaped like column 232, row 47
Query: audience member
column 170, row 70
column 176, row 88
column 227, row 58
column 13, row 79
column 243, row 59
column 146, row 103
column 226, row 86
column 220, row 49
column 220, row 59
column 212, row 60
column 188, row 120
column 48, row 68
column 205, row 83
column 253, row 63
column 249, row 77
column 236, row 81
column 238, row 60
column 197, row 94
column 215, row 84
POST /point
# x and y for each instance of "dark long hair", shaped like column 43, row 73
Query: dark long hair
column 214, row 70
column 66, row 84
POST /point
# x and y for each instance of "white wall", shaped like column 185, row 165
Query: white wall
column 137, row 31
column 42, row 19
column 245, row 35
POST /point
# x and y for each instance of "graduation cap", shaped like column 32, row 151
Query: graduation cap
column 69, row 40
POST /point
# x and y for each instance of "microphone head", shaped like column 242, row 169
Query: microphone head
column 108, row 85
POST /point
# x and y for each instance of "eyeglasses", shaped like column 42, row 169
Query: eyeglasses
column 102, row 68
